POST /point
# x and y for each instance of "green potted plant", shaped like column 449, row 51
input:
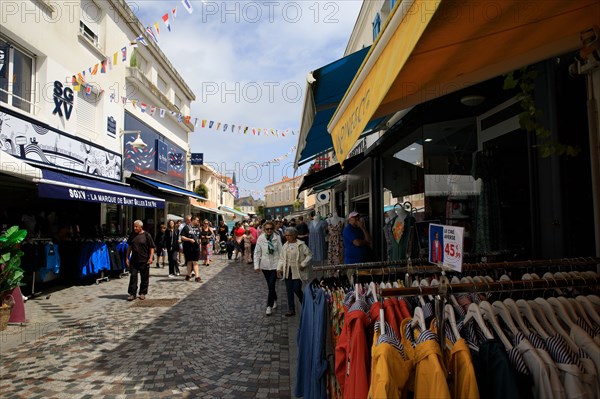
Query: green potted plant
column 11, row 273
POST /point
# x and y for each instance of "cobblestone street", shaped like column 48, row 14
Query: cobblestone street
column 212, row 340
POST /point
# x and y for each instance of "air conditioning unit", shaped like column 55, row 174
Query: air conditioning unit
column 323, row 198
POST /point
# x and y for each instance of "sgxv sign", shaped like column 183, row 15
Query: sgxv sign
column 63, row 97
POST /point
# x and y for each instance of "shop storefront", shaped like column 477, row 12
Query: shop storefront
column 461, row 150
column 67, row 193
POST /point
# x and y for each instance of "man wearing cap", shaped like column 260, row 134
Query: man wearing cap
column 357, row 240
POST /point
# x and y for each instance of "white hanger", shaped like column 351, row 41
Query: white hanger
column 595, row 299
column 579, row 310
column 425, row 283
column 549, row 312
column 503, row 311
column 488, row 314
column 419, row 319
column 540, row 316
column 373, row 291
column 451, row 319
column 473, row 312
column 589, row 308
column 527, row 311
column 415, row 283
column 563, row 310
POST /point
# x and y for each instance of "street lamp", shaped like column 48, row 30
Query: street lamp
column 138, row 143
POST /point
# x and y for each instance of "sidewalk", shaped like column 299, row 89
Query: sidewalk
column 209, row 340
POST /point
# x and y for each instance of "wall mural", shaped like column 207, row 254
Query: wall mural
column 41, row 145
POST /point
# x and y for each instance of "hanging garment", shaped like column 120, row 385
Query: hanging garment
column 312, row 362
column 389, row 237
column 424, row 351
column 390, row 367
column 542, row 384
column 495, row 376
column 556, row 385
column 335, row 249
column 352, row 353
column 316, row 239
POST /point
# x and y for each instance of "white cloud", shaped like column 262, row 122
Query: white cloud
column 249, row 51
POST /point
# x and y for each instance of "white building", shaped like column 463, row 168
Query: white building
column 75, row 94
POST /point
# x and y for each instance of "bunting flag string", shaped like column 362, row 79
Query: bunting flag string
column 79, row 82
column 291, row 152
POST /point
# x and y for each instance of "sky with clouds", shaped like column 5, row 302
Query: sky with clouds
column 247, row 62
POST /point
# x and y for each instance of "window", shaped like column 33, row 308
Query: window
column 16, row 77
column 280, row 196
column 161, row 84
column 376, row 26
column 86, row 108
column 177, row 102
column 89, row 21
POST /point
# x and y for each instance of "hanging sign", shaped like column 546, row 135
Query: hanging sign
column 446, row 246
column 197, row 158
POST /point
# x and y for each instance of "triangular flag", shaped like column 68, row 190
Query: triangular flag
column 143, row 107
column 152, row 110
column 225, row 127
column 187, row 119
column 88, row 90
column 157, row 29
column 134, row 102
column 124, row 53
column 218, row 126
column 162, row 113
column 109, row 63
column 103, row 68
column 94, row 70
column 210, row 124
column 232, row 127
column 203, row 123
column 195, row 122
column 151, row 34
column 115, row 58
column 179, row 118
column 124, row 99
column 141, row 40
column 174, row 12
column 165, row 18
column 187, row 5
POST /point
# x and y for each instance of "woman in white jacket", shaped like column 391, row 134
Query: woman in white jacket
column 266, row 257
column 293, row 267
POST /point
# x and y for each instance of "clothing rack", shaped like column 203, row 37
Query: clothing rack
column 496, row 286
column 403, row 264
column 33, row 294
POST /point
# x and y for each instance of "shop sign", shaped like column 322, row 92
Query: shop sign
column 62, row 192
column 446, row 246
column 197, row 158
column 162, row 161
column 63, row 100
column 111, row 126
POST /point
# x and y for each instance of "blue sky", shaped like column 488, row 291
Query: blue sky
column 247, row 63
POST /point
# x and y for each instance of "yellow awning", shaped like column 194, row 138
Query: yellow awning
column 432, row 48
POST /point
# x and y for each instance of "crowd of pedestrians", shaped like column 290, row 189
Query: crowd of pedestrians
column 278, row 249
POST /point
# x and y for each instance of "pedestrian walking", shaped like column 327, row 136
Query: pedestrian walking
column 190, row 238
column 140, row 255
column 248, row 246
column 293, row 265
column 172, row 246
column 160, row 246
column 266, row 257
column 206, row 235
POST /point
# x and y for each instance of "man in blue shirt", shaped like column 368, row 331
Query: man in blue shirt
column 357, row 240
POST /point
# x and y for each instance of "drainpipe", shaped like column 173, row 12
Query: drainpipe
column 588, row 63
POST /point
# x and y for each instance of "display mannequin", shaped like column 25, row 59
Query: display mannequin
column 335, row 250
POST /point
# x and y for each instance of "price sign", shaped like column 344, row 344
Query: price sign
column 446, row 246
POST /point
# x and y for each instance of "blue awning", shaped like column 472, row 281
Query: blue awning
column 231, row 210
column 322, row 98
column 67, row 187
column 167, row 188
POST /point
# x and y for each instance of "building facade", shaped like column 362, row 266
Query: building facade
column 90, row 131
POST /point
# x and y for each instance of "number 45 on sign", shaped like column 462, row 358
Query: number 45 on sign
column 446, row 246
